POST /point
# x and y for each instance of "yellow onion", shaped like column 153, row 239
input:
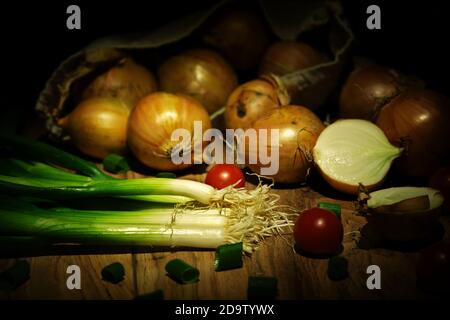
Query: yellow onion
column 201, row 74
column 127, row 81
column 352, row 152
column 98, row 126
column 299, row 129
column 253, row 100
column 152, row 123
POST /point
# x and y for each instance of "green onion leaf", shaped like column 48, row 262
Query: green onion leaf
column 15, row 276
column 228, row 256
column 333, row 207
column 262, row 288
column 337, row 268
column 155, row 295
column 169, row 175
column 182, row 272
column 113, row 273
column 115, row 163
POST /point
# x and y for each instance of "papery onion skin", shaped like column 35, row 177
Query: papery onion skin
column 127, row 81
column 299, row 129
column 98, row 126
column 366, row 90
column 344, row 170
column 151, row 125
column 418, row 120
column 201, row 74
column 284, row 57
column 253, row 100
column 241, row 35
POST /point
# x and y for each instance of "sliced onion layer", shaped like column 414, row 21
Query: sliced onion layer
column 353, row 152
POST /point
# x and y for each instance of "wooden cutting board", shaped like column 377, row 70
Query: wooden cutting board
column 299, row 277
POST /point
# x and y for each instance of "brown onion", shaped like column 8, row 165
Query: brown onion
column 419, row 121
column 127, row 81
column 252, row 100
column 152, row 123
column 440, row 180
column 98, row 126
column 299, row 129
column 201, row 74
column 241, row 35
column 284, row 57
column 369, row 88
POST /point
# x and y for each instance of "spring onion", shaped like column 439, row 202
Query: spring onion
column 333, row 207
column 115, row 163
column 155, row 295
column 262, row 288
column 337, row 268
column 15, row 276
column 181, row 271
column 114, row 273
column 228, row 256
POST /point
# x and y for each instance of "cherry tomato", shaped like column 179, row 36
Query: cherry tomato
column 318, row 231
column 223, row 175
column 433, row 269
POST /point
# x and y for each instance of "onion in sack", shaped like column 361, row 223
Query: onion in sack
column 241, row 35
column 98, row 126
column 252, row 100
column 403, row 214
column 127, row 81
column 299, row 129
column 201, row 74
column 152, row 123
column 419, row 121
column 352, row 152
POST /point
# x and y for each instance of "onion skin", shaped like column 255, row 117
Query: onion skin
column 201, row 74
column 98, row 126
column 299, row 129
column 151, row 125
column 241, row 36
column 284, row 57
column 418, row 120
column 127, row 81
column 253, row 100
column 366, row 90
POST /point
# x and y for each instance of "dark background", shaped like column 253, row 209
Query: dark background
column 414, row 36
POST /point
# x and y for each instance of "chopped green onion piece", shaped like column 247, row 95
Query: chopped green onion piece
column 113, row 273
column 155, row 295
column 115, row 163
column 181, row 271
column 169, row 175
column 333, row 207
column 228, row 256
column 337, row 268
column 15, row 276
column 262, row 288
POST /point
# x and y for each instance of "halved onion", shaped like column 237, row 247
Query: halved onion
column 404, row 214
column 404, row 200
column 353, row 152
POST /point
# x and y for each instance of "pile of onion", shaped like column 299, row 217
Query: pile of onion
column 127, row 81
column 98, row 126
column 352, row 153
column 152, row 123
column 418, row 120
column 201, row 74
column 369, row 88
column 241, row 35
column 253, row 100
column 299, row 129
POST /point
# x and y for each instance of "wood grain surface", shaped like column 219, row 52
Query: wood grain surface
column 299, row 277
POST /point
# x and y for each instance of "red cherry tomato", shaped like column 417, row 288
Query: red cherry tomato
column 318, row 231
column 223, row 175
column 433, row 269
